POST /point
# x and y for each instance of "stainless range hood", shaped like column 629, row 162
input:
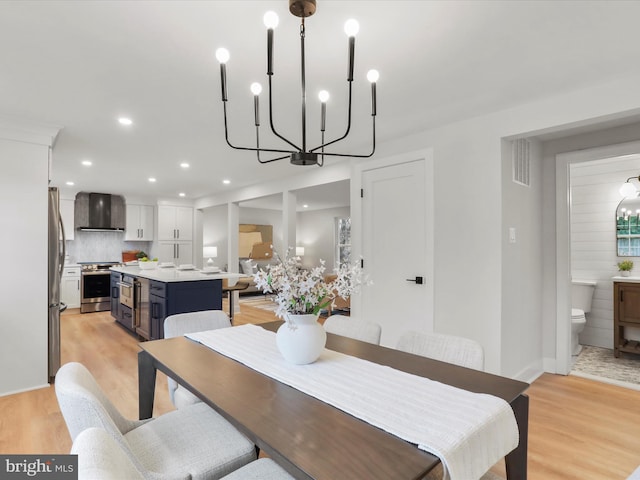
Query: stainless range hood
column 99, row 212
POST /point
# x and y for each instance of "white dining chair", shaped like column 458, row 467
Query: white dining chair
column 194, row 442
column 100, row 457
column 353, row 328
column 181, row 323
column 447, row 348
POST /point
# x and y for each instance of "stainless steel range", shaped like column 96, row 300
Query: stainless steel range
column 95, row 288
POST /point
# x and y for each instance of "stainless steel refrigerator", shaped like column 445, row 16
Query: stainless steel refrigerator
column 56, row 265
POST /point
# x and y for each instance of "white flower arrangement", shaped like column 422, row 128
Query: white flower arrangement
column 300, row 291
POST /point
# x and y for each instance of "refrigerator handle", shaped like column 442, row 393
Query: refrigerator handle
column 64, row 246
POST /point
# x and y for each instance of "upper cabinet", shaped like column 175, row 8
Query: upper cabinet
column 140, row 223
column 175, row 223
column 66, row 211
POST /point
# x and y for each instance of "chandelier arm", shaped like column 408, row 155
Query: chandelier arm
column 270, row 160
column 273, row 128
column 373, row 148
column 251, row 149
column 258, row 149
column 348, row 124
column 270, row 36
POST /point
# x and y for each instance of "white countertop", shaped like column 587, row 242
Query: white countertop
column 172, row 274
column 619, row 278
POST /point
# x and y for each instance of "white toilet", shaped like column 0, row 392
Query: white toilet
column 581, row 296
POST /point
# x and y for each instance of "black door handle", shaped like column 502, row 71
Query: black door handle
column 418, row 280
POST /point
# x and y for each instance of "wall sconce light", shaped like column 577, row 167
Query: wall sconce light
column 628, row 189
column 210, row 253
column 299, row 251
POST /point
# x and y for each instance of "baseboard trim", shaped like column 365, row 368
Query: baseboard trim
column 14, row 392
column 530, row 373
column 610, row 381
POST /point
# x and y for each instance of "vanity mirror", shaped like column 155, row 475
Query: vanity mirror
column 628, row 227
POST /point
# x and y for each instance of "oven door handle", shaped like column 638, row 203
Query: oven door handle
column 97, row 272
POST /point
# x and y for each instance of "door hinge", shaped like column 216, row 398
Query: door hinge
column 362, row 263
column 362, row 193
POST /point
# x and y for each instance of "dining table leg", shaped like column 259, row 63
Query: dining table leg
column 516, row 460
column 146, row 385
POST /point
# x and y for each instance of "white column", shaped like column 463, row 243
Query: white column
column 233, row 227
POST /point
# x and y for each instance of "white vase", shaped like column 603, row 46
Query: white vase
column 625, row 273
column 301, row 339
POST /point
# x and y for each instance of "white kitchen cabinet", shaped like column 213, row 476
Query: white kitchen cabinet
column 67, row 213
column 140, row 223
column 177, row 252
column 175, row 223
column 70, row 286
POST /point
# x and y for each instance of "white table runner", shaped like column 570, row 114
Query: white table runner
column 468, row 431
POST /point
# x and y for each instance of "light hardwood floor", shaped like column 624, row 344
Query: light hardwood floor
column 578, row 428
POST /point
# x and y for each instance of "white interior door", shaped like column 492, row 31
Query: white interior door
column 397, row 247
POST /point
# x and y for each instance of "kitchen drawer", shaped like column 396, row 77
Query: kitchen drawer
column 71, row 272
column 158, row 288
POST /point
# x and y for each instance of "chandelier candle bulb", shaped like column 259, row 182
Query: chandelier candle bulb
column 256, row 88
column 351, row 28
column 372, row 76
column 222, row 55
column 271, row 22
column 323, row 96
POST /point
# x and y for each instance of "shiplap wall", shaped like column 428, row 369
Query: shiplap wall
column 594, row 198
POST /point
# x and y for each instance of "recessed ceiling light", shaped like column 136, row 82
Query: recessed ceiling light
column 70, row 183
column 226, row 181
column 182, row 194
column 184, row 165
column 152, row 179
column 125, row 121
column 87, row 163
column 305, row 206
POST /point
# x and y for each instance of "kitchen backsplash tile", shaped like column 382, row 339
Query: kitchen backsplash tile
column 101, row 247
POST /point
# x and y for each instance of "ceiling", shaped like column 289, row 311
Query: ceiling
column 81, row 65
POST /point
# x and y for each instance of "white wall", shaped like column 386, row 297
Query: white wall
column 23, row 291
column 316, row 233
column 521, row 305
column 214, row 232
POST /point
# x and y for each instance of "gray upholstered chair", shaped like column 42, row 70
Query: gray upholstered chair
column 353, row 328
column 181, row 323
column 100, row 457
column 194, row 442
column 447, row 348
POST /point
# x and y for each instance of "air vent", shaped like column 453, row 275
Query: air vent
column 520, row 150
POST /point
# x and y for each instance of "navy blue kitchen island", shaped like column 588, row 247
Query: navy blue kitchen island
column 142, row 299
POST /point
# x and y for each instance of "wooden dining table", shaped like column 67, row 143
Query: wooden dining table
column 307, row 437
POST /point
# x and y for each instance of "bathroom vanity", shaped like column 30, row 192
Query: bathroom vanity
column 626, row 313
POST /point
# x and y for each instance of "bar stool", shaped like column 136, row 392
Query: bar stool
column 229, row 289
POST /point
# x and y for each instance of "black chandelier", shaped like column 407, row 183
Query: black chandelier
column 299, row 155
